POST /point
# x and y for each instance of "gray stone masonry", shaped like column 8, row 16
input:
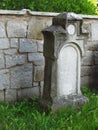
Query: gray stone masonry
column 2, row 30
column 16, row 29
column 21, row 76
column 27, row 45
column 21, row 53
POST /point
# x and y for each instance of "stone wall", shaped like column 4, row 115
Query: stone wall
column 21, row 53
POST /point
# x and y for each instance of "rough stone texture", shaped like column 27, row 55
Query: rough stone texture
column 28, row 93
column 72, row 100
column 35, row 84
column 94, row 31
column 38, row 73
column 27, row 45
column 34, row 25
column 21, row 76
column 36, row 58
column 1, row 95
column 10, row 51
column 40, row 46
column 88, row 59
column 88, row 81
column 20, row 32
column 16, row 28
column 4, row 43
column 2, row 30
column 11, row 95
column 4, row 79
column 14, row 42
column 87, row 70
column 92, row 46
column 14, row 60
column 96, row 57
column 2, row 63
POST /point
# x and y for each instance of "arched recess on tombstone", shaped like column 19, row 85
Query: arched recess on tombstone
column 68, row 70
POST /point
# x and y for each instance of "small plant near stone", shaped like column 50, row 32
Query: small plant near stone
column 26, row 115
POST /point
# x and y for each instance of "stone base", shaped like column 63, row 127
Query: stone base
column 69, row 101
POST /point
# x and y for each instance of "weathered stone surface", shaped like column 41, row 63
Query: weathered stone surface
column 21, row 76
column 2, row 63
column 35, row 84
column 68, row 71
column 36, row 58
column 4, row 79
column 88, row 59
column 2, row 30
column 88, row 81
column 40, row 45
column 16, row 28
column 4, row 43
column 94, row 28
column 87, row 70
column 27, row 45
column 38, row 73
column 28, row 93
column 92, row 46
column 15, row 60
column 34, row 28
column 96, row 57
column 14, row 42
column 11, row 95
column 1, row 95
column 10, row 51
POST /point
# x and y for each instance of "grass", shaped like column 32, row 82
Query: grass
column 26, row 115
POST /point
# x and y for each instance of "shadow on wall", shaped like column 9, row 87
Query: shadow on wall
column 89, row 69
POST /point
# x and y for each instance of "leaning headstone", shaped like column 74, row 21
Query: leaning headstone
column 63, row 50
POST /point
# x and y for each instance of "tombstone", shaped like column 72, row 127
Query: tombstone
column 64, row 47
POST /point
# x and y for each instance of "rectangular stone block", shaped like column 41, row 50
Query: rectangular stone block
column 1, row 95
column 88, row 59
column 36, row 58
column 36, row 25
column 27, row 45
column 4, row 79
column 28, row 93
column 14, row 42
column 4, row 43
column 40, row 45
column 15, row 60
column 94, row 31
column 10, row 51
column 16, row 28
column 11, row 95
column 21, row 76
column 38, row 73
column 2, row 30
column 2, row 62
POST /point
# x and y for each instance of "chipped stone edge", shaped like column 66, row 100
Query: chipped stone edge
column 35, row 13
